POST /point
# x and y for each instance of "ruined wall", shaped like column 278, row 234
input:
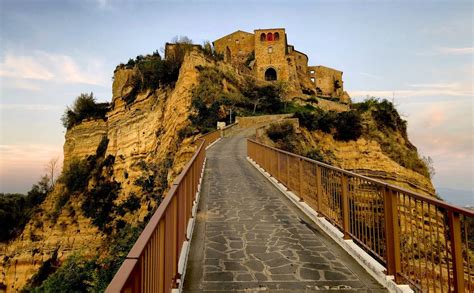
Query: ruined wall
column 328, row 81
column 239, row 44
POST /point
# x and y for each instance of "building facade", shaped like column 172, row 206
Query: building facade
column 267, row 53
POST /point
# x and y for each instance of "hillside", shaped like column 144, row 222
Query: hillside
column 120, row 157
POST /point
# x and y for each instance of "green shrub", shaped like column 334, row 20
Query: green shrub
column 45, row 270
column 84, row 107
column 211, row 52
column 130, row 205
column 16, row 209
column 76, row 174
column 348, row 126
column 284, row 136
column 98, row 203
column 74, row 275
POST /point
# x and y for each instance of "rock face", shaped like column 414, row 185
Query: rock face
column 145, row 130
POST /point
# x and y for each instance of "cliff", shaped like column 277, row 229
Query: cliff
column 127, row 157
column 143, row 142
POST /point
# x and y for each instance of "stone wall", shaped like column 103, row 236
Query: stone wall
column 258, row 120
column 326, row 79
column 235, row 47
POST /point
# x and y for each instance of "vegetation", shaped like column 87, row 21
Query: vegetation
column 346, row 126
column 211, row 52
column 387, row 127
column 84, row 107
column 17, row 209
column 284, row 136
column 219, row 92
column 153, row 72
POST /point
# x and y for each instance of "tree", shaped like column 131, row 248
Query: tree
column 51, row 169
column 429, row 165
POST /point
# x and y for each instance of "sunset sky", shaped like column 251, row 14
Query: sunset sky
column 418, row 52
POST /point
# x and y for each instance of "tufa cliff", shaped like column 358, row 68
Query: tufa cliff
column 120, row 157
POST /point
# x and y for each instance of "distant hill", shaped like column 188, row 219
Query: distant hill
column 457, row 196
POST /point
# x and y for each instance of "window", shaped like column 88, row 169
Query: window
column 313, row 80
column 237, row 41
column 311, row 71
column 276, row 36
column 263, row 37
column 270, row 37
column 270, row 50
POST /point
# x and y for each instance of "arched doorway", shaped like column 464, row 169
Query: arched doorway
column 228, row 55
column 270, row 74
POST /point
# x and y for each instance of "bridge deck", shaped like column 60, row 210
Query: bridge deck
column 249, row 237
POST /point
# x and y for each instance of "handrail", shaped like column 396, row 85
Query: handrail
column 152, row 263
column 421, row 240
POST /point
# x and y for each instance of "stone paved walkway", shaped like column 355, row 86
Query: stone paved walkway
column 249, row 237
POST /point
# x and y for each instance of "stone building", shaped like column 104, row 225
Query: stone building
column 267, row 53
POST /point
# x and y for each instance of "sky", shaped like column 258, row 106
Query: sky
column 417, row 53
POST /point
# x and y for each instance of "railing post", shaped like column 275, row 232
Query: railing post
column 278, row 167
column 319, row 188
column 300, row 179
column 345, row 206
column 392, row 234
column 456, row 250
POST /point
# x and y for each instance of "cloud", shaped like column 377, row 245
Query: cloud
column 456, row 51
column 421, row 90
column 447, row 51
column 30, row 107
column 369, row 75
column 43, row 66
column 22, row 165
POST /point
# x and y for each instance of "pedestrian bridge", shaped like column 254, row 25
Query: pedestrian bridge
column 246, row 217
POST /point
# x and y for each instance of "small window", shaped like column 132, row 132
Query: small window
column 313, row 80
column 270, row 37
column 237, row 41
column 311, row 71
column 270, row 50
column 276, row 36
column 263, row 37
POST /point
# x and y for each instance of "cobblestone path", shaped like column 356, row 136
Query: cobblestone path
column 250, row 238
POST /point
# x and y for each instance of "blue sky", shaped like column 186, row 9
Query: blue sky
column 419, row 52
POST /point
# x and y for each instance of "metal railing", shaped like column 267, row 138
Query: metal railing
column 420, row 240
column 152, row 263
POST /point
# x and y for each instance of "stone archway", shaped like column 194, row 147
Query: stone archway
column 270, row 74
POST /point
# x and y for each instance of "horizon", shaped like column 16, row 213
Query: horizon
column 51, row 53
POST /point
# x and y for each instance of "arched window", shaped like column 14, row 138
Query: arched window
column 270, row 74
column 276, row 36
column 263, row 37
column 270, row 37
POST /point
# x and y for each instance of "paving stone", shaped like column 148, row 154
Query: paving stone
column 309, row 274
column 254, row 265
column 234, row 266
column 286, row 269
column 219, row 276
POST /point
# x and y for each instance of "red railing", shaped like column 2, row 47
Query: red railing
column 422, row 241
column 152, row 263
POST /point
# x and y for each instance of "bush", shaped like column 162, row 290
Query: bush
column 98, row 203
column 348, row 126
column 16, row 209
column 284, row 135
column 130, row 205
column 84, row 107
column 76, row 174
column 73, row 276
column 211, row 52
